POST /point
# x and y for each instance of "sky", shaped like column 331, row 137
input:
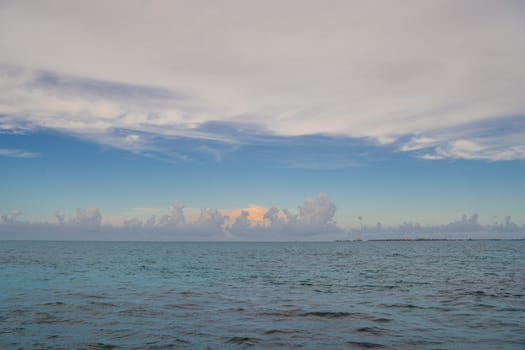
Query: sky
column 261, row 120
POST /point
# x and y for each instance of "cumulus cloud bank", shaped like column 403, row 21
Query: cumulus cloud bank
column 433, row 78
column 86, row 223
column 313, row 219
column 465, row 227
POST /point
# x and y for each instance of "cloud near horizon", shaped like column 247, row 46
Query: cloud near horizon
column 313, row 220
column 431, row 78
column 253, row 215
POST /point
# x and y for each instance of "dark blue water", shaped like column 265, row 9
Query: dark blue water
column 356, row 295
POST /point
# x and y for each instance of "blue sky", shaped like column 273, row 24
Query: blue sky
column 389, row 112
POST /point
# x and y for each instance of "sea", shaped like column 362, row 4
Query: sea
column 316, row 295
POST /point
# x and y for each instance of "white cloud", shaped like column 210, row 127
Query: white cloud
column 84, row 218
column 242, row 224
column 17, row 153
column 417, row 143
column 176, row 224
column 210, row 219
column 312, row 221
column 317, row 212
column 362, row 69
column 315, row 218
column 133, row 223
column 468, row 226
column 58, row 218
column 175, row 218
column 479, row 149
column 11, row 217
column 87, row 218
column 431, row 157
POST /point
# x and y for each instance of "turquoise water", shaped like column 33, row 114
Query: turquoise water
column 355, row 295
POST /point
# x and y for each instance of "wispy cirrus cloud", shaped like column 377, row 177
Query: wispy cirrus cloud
column 485, row 140
column 436, row 71
column 17, row 153
column 480, row 149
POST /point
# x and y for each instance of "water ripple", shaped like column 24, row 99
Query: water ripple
column 368, row 295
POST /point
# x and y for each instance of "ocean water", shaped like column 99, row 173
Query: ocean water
column 338, row 295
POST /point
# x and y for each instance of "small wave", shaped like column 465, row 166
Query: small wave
column 96, row 307
column 420, row 343
column 87, row 296
column 325, row 314
column 101, row 346
column 188, row 293
column 380, row 286
column 301, row 313
column 247, row 341
column 372, row 330
column 164, row 346
column 476, row 293
column 281, row 331
column 20, row 312
column 138, row 312
column 187, row 306
column 512, row 309
column 365, row 345
column 404, row 306
column 47, row 318
column 101, row 304
column 326, row 291
column 398, row 255
column 195, row 333
column 55, row 303
column 484, row 306
column 481, row 293
column 13, row 330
